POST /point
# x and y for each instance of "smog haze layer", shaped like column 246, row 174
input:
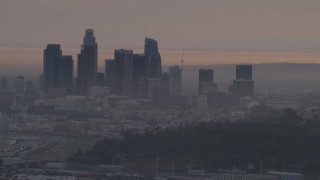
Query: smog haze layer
column 211, row 32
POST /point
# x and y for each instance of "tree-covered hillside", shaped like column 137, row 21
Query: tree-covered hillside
column 287, row 142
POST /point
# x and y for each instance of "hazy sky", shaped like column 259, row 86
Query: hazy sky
column 249, row 26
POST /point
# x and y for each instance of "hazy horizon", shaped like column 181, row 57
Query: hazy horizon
column 211, row 32
column 34, row 57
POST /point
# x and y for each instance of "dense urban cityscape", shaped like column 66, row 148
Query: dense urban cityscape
column 159, row 90
column 45, row 127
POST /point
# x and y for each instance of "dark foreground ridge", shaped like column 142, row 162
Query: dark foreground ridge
column 285, row 142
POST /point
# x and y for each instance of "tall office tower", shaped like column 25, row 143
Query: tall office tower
column 154, row 58
column 206, row 84
column 164, row 80
column 19, row 85
column 66, row 73
column 242, row 88
column 244, row 72
column 175, row 80
column 243, row 85
column 110, row 73
column 51, row 67
column 89, row 38
column 100, row 79
column 140, row 70
column 87, row 63
column 146, row 87
column 123, row 72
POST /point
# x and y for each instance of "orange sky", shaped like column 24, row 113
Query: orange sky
column 23, row 56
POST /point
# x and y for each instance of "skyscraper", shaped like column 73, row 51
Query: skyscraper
column 100, row 79
column 154, row 58
column 242, row 88
column 123, row 72
column 244, row 72
column 110, row 73
column 66, row 73
column 87, row 62
column 51, row 67
column 146, row 87
column 243, row 85
column 58, row 69
column 89, row 38
column 140, row 70
column 206, row 84
column 175, row 80
column 164, row 80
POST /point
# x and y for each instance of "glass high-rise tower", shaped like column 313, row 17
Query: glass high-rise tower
column 243, row 85
column 87, row 62
column 244, row 72
column 51, row 66
column 205, row 78
column 57, row 69
column 154, row 58
column 175, row 75
column 66, row 73
column 123, row 72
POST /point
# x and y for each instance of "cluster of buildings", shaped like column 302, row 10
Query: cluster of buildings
column 128, row 79
column 128, row 74
column 66, row 109
column 132, row 76
column 210, row 97
column 136, row 76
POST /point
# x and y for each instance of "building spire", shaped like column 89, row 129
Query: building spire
column 89, row 38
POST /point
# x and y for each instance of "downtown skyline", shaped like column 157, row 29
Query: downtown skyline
column 210, row 32
column 29, row 61
column 160, row 89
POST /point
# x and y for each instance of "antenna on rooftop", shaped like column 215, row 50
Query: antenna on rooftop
column 181, row 71
column 182, row 58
